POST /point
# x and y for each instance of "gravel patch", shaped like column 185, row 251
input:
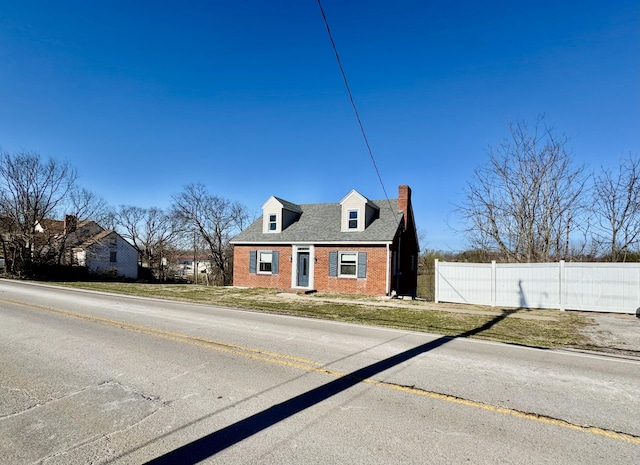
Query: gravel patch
column 615, row 332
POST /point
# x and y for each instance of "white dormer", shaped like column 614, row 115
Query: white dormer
column 277, row 214
column 357, row 212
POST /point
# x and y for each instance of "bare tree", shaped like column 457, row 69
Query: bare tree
column 616, row 199
column 526, row 201
column 150, row 230
column 84, row 204
column 216, row 220
column 80, row 205
column 31, row 189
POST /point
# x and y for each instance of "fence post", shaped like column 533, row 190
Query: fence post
column 436, row 281
column 494, row 286
column 560, row 285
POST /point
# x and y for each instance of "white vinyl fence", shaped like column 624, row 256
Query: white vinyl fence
column 600, row 287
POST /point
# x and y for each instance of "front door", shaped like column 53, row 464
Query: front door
column 303, row 269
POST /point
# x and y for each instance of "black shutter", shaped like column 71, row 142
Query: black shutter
column 275, row 255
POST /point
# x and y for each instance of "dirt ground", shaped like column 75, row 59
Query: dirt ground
column 612, row 332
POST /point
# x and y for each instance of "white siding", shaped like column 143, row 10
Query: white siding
column 97, row 257
column 366, row 213
column 271, row 207
column 127, row 264
column 353, row 202
column 80, row 257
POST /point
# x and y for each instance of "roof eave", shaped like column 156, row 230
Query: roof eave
column 382, row 242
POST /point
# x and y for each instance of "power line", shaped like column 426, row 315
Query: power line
column 355, row 109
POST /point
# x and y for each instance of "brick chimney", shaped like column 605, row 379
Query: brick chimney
column 404, row 202
column 70, row 223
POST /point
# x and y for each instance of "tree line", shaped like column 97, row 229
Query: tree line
column 34, row 190
column 529, row 202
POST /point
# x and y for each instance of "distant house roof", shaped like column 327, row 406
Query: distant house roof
column 321, row 222
column 58, row 226
column 52, row 226
column 95, row 239
column 84, row 223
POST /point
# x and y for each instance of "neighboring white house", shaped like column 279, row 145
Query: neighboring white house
column 107, row 252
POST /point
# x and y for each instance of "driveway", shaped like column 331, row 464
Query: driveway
column 615, row 332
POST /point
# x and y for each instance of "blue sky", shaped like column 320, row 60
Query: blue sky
column 246, row 96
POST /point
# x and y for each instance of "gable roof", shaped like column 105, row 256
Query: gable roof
column 95, row 239
column 321, row 222
column 355, row 193
column 288, row 205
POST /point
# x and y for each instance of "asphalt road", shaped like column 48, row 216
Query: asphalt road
column 94, row 378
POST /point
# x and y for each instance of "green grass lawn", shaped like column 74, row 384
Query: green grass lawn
column 562, row 331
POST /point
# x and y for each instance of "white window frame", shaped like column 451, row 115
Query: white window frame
column 356, row 219
column 260, row 262
column 341, row 262
column 272, row 222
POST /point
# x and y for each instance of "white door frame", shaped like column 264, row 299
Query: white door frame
column 295, row 250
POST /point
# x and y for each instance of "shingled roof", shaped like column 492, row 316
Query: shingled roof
column 289, row 205
column 95, row 239
column 320, row 222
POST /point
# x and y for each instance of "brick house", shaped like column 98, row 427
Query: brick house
column 355, row 246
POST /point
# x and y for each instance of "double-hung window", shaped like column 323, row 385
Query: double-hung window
column 353, row 219
column 273, row 223
column 348, row 263
column 265, row 261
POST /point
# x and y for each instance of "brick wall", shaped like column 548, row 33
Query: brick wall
column 373, row 284
column 409, row 247
column 242, row 277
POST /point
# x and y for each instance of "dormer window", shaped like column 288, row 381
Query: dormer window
column 353, row 219
column 356, row 212
column 278, row 215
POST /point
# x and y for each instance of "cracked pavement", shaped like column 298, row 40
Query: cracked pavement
column 91, row 379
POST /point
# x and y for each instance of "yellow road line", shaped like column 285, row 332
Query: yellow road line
column 512, row 412
column 316, row 367
column 249, row 352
